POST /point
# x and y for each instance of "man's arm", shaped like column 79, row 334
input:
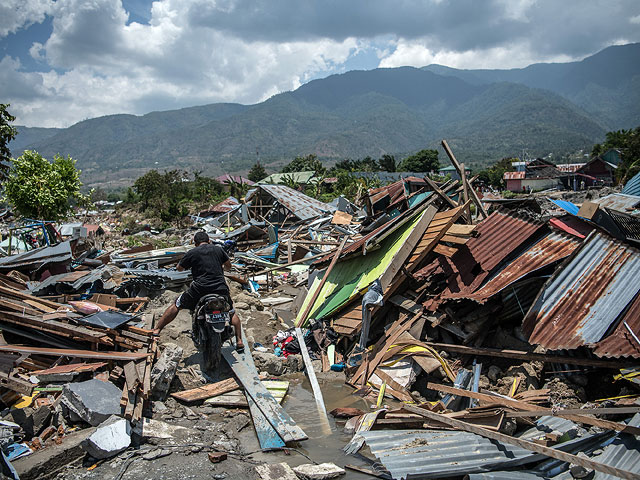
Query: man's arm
column 180, row 268
column 227, row 265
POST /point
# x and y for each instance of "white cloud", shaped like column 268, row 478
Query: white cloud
column 16, row 14
column 416, row 53
column 635, row 20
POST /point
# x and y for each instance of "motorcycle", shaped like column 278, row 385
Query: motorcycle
column 211, row 327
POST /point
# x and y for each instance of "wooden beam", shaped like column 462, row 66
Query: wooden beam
column 501, row 437
column 317, row 393
column 521, row 355
column 518, row 405
column 579, row 411
column 63, row 352
column 455, row 163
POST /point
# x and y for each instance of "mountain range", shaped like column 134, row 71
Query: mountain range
column 484, row 115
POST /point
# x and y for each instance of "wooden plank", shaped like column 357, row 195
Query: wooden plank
column 39, row 306
column 454, row 239
column 445, row 250
column 518, row 405
column 280, row 420
column 131, row 375
column 461, row 230
column 462, row 173
column 399, row 391
column 316, row 292
column 406, row 304
column 341, row 218
column 207, row 391
column 57, row 328
column 63, row 352
column 501, row 437
column 25, row 296
column 400, row 258
column 520, row 355
column 579, row 411
column 317, row 393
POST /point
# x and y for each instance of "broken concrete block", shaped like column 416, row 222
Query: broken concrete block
column 112, row 437
column 93, row 401
column 164, row 370
column 151, row 428
column 323, row 471
column 276, row 471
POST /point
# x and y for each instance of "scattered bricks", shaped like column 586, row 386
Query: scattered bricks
column 217, row 457
column 47, row 433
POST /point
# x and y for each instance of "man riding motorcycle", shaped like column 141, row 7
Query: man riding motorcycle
column 207, row 262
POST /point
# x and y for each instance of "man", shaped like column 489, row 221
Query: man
column 207, row 262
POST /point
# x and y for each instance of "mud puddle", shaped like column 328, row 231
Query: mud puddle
column 325, row 441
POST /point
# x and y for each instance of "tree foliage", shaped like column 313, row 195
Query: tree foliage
column 257, row 172
column 387, row 163
column 423, row 161
column 7, row 133
column 494, row 175
column 628, row 143
column 166, row 195
column 43, row 190
column 305, row 164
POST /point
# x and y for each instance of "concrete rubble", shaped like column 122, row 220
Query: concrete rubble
column 110, row 438
column 459, row 320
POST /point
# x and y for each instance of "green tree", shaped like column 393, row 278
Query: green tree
column 43, row 190
column 494, row 175
column 305, row 164
column 257, row 172
column 387, row 163
column 423, row 161
column 628, row 143
column 7, row 133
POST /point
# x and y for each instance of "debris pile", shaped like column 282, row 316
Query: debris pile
column 479, row 336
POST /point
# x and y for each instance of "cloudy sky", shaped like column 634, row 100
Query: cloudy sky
column 67, row 60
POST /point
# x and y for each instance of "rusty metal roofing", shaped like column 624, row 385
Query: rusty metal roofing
column 623, row 341
column 514, row 175
column 499, row 236
column 225, row 206
column 301, row 205
column 583, row 298
column 550, row 249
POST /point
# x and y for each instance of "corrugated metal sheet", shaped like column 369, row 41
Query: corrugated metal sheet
column 623, row 453
column 428, row 454
column 550, row 249
column 633, row 186
column 302, row 206
column 619, row 202
column 570, row 167
column 514, row 175
column 499, row 236
column 572, row 208
column 621, row 342
column 581, row 300
column 38, row 257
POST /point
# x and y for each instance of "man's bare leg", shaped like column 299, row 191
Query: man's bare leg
column 237, row 327
column 167, row 317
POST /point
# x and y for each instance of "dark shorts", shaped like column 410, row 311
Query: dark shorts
column 189, row 299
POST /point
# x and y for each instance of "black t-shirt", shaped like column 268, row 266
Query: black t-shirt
column 205, row 262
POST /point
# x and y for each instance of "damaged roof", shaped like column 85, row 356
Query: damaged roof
column 500, row 235
column 301, row 205
column 550, row 249
column 623, row 342
column 583, row 298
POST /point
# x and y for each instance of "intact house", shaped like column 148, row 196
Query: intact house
column 537, row 175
